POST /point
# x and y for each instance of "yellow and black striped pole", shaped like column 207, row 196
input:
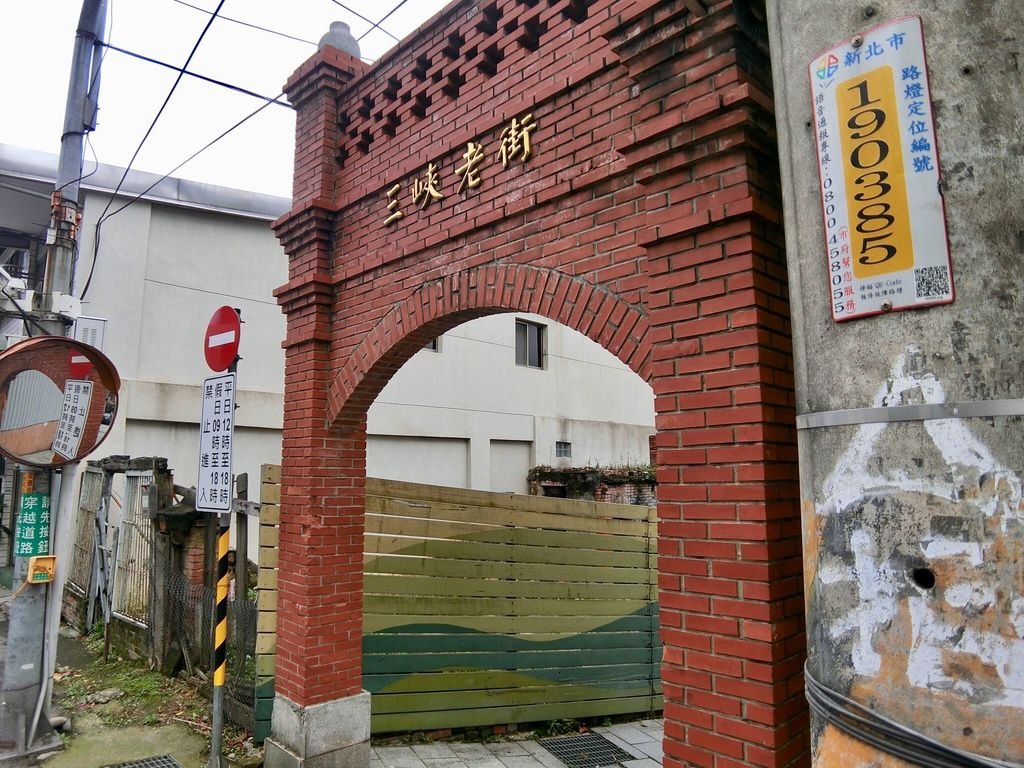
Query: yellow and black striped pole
column 220, row 644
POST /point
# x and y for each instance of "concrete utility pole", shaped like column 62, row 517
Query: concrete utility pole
column 909, row 422
column 79, row 119
column 35, row 618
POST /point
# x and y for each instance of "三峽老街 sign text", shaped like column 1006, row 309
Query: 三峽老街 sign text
column 514, row 143
column 885, row 223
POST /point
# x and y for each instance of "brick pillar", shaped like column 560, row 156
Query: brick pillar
column 702, row 143
column 320, row 714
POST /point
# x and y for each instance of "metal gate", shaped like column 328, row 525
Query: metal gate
column 134, row 551
column 89, row 499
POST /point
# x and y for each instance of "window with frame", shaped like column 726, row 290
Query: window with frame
column 529, row 344
column 434, row 345
column 563, row 449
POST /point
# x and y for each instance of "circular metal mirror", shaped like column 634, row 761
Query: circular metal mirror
column 58, row 400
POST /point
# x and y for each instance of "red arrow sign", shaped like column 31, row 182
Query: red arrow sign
column 220, row 346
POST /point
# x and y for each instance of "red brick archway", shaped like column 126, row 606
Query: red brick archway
column 646, row 217
column 438, row 306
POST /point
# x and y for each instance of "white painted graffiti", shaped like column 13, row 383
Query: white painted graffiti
column 971, row 617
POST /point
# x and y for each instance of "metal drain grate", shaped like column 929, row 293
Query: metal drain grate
column 163, row 761
column 585, row 750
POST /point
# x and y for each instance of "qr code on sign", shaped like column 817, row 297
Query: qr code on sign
column 931, row 282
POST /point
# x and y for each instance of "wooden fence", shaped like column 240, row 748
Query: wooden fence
column 492, row 608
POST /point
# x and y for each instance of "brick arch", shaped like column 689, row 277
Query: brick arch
column 651, row 211
column 436, row 307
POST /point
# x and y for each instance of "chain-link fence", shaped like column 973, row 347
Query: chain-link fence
column 190, row 615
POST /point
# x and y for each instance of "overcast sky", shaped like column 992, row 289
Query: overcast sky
column 37, row 38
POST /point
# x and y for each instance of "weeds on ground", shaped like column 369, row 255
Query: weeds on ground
column 147, row 698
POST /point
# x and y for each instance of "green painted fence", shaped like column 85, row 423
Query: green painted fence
column 486, row 608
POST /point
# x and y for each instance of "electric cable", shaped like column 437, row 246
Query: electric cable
column 373, row 25
column 140, row 195
column 204, row 78
column 386, row 17
column 249, row 24
column 26, row 318
column 160, row 111
column 113, row 195
column 866, row 725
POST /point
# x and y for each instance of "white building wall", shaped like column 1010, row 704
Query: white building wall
column 471, row 388
column 162, row 271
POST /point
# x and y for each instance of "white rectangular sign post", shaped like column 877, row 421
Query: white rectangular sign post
column 216, row 444
column 73, row 415
column 885, row 223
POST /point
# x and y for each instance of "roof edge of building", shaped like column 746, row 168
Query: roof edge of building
column 35, row 165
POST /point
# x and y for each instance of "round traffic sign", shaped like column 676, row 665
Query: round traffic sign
column 220, row 345
column 78, row 364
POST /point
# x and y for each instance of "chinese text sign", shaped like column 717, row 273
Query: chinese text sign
column 885, row 223
column 216, row 430
column 73, row 415
column 32, row 527
column 515, row 144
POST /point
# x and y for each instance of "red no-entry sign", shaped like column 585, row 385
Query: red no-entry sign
column 220, row 346
column 78, row 365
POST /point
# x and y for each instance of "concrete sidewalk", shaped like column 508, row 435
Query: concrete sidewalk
column 641, row 740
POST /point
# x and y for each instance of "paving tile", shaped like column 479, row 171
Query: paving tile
column 476, row 756
column 506, row 748
column 652, row 749
column 628, row 732
column 643, row 763
column 432, row 751
column 471, row 749
column 399, row 757
column 520, row 761
column 654, row 725
column 443, row 762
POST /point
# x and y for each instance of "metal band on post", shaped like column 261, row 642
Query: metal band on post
column 971, row 409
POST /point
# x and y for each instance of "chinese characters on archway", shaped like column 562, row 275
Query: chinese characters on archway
column 514, row 145
column 213, row 491
column 885, row 227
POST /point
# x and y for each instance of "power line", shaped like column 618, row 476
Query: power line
column 248, row 24
column 373, row 24
column 26, row 319
column 386, row 17
column 160, row 111
column 140, row 195
column 204, row 78
column 152, row 125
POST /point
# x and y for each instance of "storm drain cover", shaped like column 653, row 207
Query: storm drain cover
column 164, row 761
column 585, row 750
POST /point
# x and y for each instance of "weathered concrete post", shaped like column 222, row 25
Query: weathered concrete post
column 909, row 422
